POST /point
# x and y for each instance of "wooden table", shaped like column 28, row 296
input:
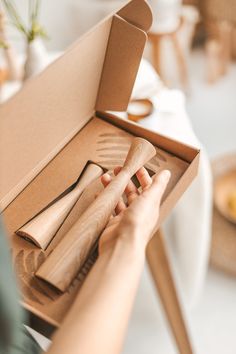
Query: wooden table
column 164, row 282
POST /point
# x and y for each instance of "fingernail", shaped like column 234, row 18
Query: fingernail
column 165, row 175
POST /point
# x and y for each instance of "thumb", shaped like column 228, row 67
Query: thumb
column 158, row 186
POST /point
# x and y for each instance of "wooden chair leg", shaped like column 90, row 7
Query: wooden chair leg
column 155, row 47
column 225, row 38
column 162, row 276
column 183, row 71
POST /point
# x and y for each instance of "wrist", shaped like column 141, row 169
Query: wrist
column 125, row 247
column 133, row 236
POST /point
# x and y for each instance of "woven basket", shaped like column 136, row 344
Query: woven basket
column 215, row 11
column 223, row 247
column 219, row 10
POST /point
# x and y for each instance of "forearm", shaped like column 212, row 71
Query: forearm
column 98, row 319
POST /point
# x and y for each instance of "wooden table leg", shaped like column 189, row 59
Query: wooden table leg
column 225, row 37
column 181, row 61
column 155, row 43
column 163, row 279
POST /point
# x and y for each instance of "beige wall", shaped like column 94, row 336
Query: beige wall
column 66, row 20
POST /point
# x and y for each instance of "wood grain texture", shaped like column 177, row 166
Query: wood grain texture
column 64, row 262
column 43, row 227
column 164, row 282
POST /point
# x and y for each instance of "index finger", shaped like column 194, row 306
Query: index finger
column 143, row 177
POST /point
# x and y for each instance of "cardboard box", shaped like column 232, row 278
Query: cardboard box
column 57, row 122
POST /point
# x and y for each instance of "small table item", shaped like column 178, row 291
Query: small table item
column 223, row 247
column 225, row 195
column 139, row 109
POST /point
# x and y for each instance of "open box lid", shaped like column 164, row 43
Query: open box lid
column 96, row 73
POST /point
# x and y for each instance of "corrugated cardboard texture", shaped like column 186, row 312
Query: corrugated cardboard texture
column 52, row 107
column 102, row 143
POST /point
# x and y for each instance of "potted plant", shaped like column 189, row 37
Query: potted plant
column 34, row 33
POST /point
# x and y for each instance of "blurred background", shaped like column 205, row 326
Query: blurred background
column 189, row 76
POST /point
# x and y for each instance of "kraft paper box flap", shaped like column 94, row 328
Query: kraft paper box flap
column 95, row 73
column 124, row 52
column 138, row 13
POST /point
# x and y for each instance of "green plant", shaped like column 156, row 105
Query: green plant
column 34, row 29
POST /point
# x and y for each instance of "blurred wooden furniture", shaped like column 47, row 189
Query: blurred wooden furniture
column 219, row 18
column 213, row 61
column 155, row 39
column 219, row 50
column 163, row 280
column 223, row 248
column 218, row 11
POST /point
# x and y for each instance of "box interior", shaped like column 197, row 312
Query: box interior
column 99, row 141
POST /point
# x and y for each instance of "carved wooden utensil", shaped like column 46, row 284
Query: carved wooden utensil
column 42, row 228
column 66, row 259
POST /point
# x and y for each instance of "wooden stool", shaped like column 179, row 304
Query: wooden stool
column 155, row 39
column 219, row 49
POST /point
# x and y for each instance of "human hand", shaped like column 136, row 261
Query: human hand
column 134, row 221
